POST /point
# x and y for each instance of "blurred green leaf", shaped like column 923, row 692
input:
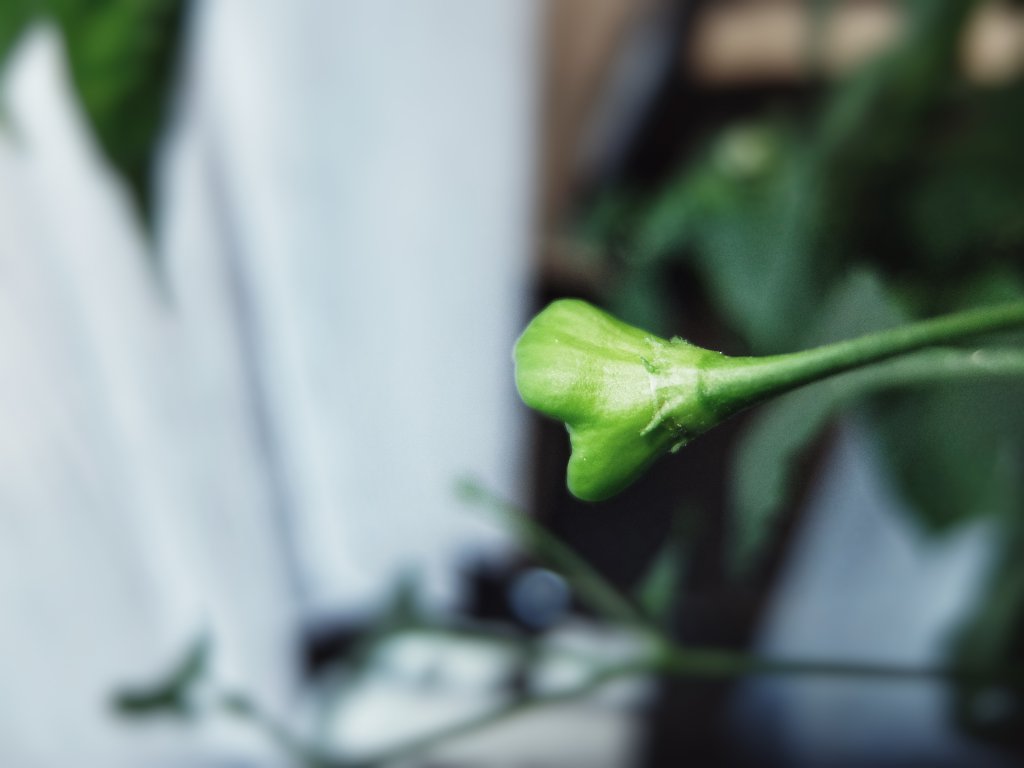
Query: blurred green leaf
column 122, row 56
column 643, row 299
column 768, row 213
column 404, row 606
column 983, row 382
column 657, row 591
column 944, row 447
column 770, row 451
column 736, row 214
column 993, row 638
column 173, row 694
column 14, row 18
column 659, row 588
column 910, row 179
column 966, row 210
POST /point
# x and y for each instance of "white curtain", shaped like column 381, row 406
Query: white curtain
column 353, row 181
column 261, row 419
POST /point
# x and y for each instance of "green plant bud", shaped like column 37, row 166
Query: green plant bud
column 625, row 395
column 628, row 396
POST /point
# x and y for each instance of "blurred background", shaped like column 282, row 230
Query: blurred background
column 268, row 496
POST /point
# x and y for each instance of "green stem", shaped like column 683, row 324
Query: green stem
column 678, row 662
column 599, row 594
column 241, row 707
column 666, row 659
column 759, row 378
column 710, row 663
column 592, row 684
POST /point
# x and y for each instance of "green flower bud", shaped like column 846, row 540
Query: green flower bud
column 625, row 395
column 628, row 396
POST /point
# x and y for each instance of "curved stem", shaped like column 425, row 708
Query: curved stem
column 711, row 663
column 592, row 587
column 665, row 658
column 752, row 380
column 510, row 709
column 680, row 662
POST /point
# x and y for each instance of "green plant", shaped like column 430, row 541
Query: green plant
column 628, row 396
column 899, row 198
column 656, row 654
column 895, row 196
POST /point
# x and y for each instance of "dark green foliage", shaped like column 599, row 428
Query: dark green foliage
column 903, row 196
column 966, row 210
column 948, row 445
column 14, row 17
column 769, row 455
column 906, row 173
column 122, row 56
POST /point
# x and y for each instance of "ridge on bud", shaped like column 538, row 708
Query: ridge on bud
column 626, row 396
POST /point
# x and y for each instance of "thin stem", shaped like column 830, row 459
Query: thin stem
column 503, row 712
column 711, row 663
column 666, row 658
column 240, row 706
column 756, row 379
column 784, row 429
column 515, row 642
column 589, row 584
column 679, row 662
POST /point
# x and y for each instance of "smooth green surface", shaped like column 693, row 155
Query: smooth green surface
column 625, row 395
